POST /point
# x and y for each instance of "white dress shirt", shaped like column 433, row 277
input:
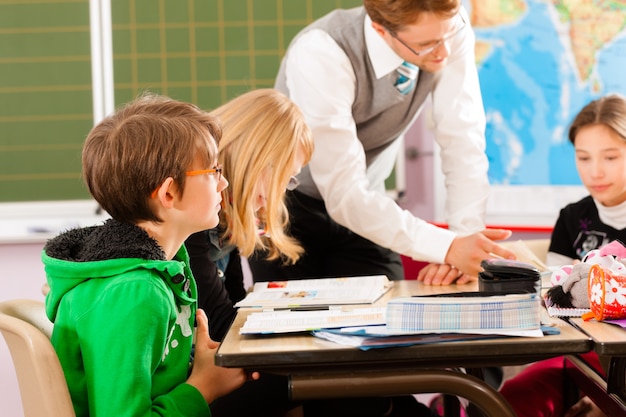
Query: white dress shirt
column 321, row 81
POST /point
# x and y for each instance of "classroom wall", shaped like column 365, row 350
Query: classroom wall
column 203, row 51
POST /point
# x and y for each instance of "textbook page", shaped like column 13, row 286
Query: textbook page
column 286, row 321
column 525, row 254
column 322, row 291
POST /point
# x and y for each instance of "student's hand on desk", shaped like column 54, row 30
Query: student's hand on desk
column 443, row 274
column 467, row 252
column 211, row 380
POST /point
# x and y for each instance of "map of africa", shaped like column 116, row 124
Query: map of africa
column 539, row 63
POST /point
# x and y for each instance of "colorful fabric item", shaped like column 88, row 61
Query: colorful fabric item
column 607, row 293
column 573, row 280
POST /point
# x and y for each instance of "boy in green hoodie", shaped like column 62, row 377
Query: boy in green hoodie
column 122, row 296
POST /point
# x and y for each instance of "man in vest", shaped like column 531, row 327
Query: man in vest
column 361, row 77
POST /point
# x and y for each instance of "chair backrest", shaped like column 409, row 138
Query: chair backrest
column 26, row 329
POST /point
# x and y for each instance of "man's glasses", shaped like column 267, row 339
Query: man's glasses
column 436, row 44
column 292, row 184
column 217, row 171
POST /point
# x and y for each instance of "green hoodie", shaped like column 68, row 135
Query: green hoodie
column 123, row 319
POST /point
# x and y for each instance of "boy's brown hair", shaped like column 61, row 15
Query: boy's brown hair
column 394, row 14
column 130, row 153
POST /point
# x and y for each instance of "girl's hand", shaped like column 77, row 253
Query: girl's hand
column 584, row 408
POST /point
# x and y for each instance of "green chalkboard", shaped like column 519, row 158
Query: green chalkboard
column 203, row 51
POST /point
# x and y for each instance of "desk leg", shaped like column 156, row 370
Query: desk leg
column 396, row 383
column 616, row 377
column 594, row 386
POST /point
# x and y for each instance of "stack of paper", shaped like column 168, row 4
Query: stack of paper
column 461, row 312
column 268, row 322
column 365, row 342
column 370, row 337
column 311, row 292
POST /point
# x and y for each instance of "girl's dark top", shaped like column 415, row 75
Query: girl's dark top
column 219, row 278
column 579, row 230
column 218, row 289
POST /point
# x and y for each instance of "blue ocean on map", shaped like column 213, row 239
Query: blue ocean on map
column 531, row 92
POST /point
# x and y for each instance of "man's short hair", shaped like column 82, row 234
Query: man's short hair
column 394, row 14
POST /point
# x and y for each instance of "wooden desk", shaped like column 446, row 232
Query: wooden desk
column 610, row 344
column 322, row 369
column 609, row 339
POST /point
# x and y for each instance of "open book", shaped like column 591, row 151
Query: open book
column 470, row 313
column 525, row 254
column 268, row 322
column 316, row 292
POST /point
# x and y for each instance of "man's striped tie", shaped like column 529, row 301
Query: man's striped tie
column 407, row 73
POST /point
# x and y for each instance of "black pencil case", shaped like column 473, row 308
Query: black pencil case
column 508, row 276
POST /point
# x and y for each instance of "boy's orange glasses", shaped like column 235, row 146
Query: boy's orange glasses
column 214, row 171
column 217, row 170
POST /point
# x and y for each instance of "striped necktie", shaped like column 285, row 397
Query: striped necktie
column 407, row 73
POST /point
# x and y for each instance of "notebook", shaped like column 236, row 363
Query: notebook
column 465, row 311
column 315, row 292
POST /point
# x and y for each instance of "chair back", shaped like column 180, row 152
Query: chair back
column 27, row 330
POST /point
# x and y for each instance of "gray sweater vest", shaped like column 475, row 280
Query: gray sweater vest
column 381, row 113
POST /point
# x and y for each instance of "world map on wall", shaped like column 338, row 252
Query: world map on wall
column 539, row 63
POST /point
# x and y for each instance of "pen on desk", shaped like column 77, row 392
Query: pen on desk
column 303, row 308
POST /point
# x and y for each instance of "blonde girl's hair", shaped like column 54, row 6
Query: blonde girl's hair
column 609, row 111
column 262, row 132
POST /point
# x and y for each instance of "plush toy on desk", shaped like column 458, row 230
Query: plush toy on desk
column 570, row 282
